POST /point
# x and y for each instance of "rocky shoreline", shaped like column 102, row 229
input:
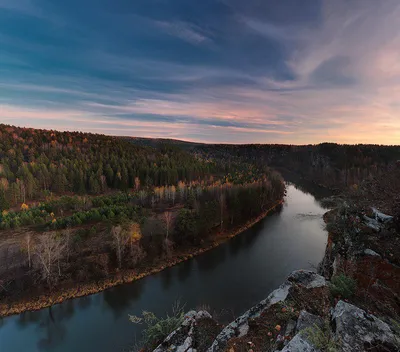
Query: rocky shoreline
column 305, row 321
column 11, row 307
column 305, row 315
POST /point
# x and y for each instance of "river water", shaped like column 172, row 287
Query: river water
column 228, row 279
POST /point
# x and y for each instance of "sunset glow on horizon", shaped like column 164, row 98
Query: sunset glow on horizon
column 214, row 71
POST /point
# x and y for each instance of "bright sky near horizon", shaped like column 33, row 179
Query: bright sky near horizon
column 230, row 71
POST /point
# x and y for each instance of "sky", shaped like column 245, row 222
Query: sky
column 228, row 71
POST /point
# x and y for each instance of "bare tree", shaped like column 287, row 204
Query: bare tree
column 49, row 251
column 120, row 242
column 136, row 253
column 167, row 247
column 168, row 220
column 28, row 243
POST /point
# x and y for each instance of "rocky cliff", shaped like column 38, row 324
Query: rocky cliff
column 318, row 312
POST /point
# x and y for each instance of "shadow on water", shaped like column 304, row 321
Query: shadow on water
column 249, row 237
column 184, row 270
column 118, row 298
column 213, row 258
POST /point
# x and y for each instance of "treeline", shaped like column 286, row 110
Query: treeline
column 330, row 164
column 34, row 163
column 224, row 207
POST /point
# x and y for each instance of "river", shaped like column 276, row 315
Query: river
column 228, row 279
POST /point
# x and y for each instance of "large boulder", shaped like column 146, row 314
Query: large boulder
column 357, row 331
column 299, row 344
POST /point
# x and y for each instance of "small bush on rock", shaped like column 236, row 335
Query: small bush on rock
column 343, row 286
column 157, row 329
column 321, row 337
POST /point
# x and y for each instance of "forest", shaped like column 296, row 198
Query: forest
column 80, row 207
column 77, row 207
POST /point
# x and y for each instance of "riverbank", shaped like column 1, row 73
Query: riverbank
column 350, row 305
column 11, row 307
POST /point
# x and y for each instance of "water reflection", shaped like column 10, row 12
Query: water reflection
column 117, row 299
column 184, row 270
column 211, row 260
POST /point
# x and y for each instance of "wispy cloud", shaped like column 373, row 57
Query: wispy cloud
column 225, row 71
column 185, row 31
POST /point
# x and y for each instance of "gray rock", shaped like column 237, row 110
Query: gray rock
column 299, row 344
column 307, row 279
column 381, row 216
column 307, row 320
column 240, row 326
column 181, row 339
column 290, row 328
column 356, row 329
column 372, row 223
column 372, row 253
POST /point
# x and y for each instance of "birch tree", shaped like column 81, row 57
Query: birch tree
column 49, row 252
column 167, row 220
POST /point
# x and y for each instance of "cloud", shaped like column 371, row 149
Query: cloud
column 185, row 31
column 215, row 71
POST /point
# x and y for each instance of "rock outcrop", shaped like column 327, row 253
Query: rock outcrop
column 299, row 344
column 299, row 316
column 282, row 322
column 358, row 331
column 190, row 335
column 239, row 328
column 307, row 320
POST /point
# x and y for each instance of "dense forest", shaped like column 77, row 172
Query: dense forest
column 35, row 163
column 329, row 164
column 77, row 206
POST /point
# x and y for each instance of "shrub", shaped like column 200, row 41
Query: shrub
column 157, row 329
column 321, row 337
column 342, row 285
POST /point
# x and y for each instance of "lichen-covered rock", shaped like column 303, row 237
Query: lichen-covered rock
column 307, row 279
column 240, row 326
column 299, row 344
column 307, row 320
column 182, row 339
column 372, row 223
column 370, row 252
column 290, row 328
column 300, row 280
column 357, row 331
column 381, row 217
